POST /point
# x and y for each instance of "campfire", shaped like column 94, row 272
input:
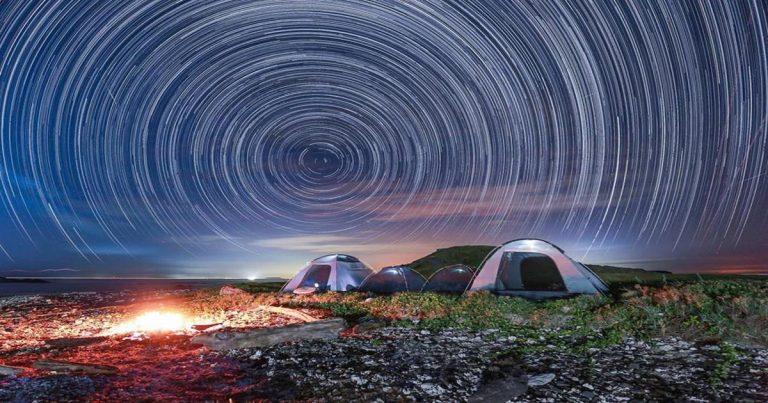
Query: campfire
column 154, row 322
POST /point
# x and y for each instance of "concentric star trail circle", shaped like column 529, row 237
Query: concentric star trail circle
column 598, row 121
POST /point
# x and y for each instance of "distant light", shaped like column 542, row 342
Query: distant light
column 252, row 278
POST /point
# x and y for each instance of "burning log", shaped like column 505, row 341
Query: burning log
column 64, row 366
column 321, row 329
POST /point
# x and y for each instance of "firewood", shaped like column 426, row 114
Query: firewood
column 321, row 329
column 74, row 342
column 288, row 312
column 64, row 366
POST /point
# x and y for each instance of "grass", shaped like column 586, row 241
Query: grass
column 712, row 309
column 253, row 287
column 728, row 356
column 619, row 278
column 641, row 304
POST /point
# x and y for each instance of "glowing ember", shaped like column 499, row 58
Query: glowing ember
column 154, row 322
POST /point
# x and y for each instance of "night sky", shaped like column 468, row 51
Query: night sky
column 241, row 138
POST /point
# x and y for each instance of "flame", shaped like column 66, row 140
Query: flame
column 154, row 322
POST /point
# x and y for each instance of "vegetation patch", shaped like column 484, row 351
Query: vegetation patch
column 704, row 309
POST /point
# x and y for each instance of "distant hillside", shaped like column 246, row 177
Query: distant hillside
column 623, row 276
column 21, row 280
column 470, row 255
column 473, row 255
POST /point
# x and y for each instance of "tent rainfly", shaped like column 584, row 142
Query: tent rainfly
column 329, row 273
column 393, row 279
column 535, row 269
column 452, row 279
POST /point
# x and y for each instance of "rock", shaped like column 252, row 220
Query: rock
column 322, row 329
column 666, row 347
column 540, row 379
column 368, row 326
column 501, row 390
column 6, row 370
column 256, row 355
column 74, row 367
column 229, row 290
column 557, row 321
column 517, row 319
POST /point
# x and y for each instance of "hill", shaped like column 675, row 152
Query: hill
column 470, row 255
column 21, row 280
column 473, row 255
column 622, row 276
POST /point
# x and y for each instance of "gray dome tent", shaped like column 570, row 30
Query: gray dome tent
column 536, row 269
column 329, row 273
column 452, row 279
column 393, row 279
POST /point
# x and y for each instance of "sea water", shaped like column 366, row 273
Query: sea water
column 65, row 285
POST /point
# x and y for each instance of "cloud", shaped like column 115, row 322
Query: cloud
column 308, row 243
column 475, row 201
column 64, row 270
column 377, row 253
column 60, row 270
column 335, row 243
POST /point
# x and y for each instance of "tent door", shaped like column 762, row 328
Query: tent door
column 317, row 276
column 528, row 271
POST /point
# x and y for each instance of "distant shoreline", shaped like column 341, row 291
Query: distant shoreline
column 58, row 285
column 45, row 278
column 22, row 280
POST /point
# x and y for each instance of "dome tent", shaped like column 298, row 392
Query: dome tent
column 393, row 279
column 329, row 273
column 452, row 279
column 536, row 269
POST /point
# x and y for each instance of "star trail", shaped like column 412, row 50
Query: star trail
column 205, row 138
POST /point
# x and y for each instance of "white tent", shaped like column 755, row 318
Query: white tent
column 329, row 273
column 536, row 269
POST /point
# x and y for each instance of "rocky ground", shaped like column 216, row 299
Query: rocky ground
column 418, row 365
column 659, row 370
column 78, row 328
column 372, row 361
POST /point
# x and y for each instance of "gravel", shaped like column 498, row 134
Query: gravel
column 389, row 364
column 58, row 388
column 662, row 370
column 414, row 365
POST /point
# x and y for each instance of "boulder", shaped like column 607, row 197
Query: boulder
column 501, row 390
column 229, row 290
column 6, row 370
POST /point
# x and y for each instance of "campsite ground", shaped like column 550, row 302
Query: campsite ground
column 655, row 338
